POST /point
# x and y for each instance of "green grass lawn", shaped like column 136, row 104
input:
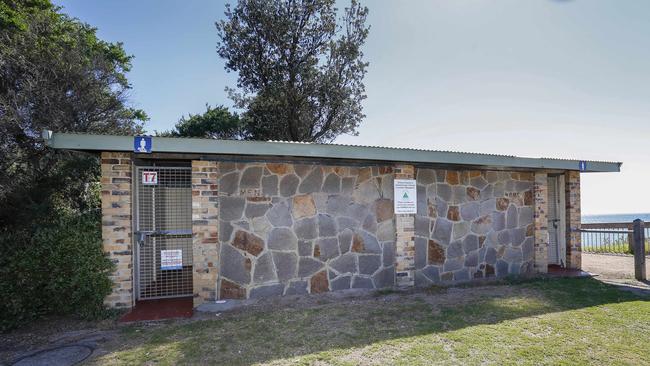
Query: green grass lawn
column 562, row 321
column 618, row 246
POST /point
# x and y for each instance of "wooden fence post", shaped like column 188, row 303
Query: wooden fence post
column 639, row 250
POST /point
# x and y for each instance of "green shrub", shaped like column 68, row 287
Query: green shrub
column 54, row 267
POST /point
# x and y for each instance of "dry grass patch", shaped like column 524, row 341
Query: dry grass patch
column 567, row 321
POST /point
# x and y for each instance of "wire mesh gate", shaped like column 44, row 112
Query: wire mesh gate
column 163, row 232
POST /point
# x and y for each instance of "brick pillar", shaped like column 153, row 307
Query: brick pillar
column 205, row 242
column 573, row 240
column 117, row 242
column 405, row 242
column 540, row 193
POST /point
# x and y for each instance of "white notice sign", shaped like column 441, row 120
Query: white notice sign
column 149, row 177
column 171, row 259
column 405, row 196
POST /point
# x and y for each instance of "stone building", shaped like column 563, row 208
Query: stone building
column 236, row 219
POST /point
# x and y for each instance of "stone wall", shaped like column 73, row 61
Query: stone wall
column 473, row 224
column 296, row 229
column 116, row 225
column 264, row 229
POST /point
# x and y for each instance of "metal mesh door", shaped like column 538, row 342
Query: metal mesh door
column 164, row 232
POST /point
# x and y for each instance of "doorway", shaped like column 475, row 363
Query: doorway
column 163, row 236
column 556, row 221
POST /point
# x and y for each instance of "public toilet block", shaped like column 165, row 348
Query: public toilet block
column 218, row 219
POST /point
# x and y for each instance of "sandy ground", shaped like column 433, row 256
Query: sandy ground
column 611, row 266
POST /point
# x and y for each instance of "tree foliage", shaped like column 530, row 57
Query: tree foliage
column 55, row 267
column 215, row 123
column 300, row 72
column 54, row 74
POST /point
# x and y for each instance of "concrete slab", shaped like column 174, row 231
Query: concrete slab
column 224, row 305
column 557, row 271
column 641, row 288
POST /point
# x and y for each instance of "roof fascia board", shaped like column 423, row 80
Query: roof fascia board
column 229, row 147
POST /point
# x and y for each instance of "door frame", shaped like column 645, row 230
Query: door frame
column 135, row 218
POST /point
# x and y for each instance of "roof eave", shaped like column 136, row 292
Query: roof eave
column 229, row 147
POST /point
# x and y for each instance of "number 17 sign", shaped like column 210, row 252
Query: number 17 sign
column 150, row 178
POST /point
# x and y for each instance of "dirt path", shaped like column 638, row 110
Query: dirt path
column 611, row 266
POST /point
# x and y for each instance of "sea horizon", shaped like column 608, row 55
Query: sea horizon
column 626, row 217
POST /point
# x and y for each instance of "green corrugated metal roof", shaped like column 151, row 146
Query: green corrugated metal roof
column 315, row 150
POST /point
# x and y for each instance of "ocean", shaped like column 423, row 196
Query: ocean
column 615, row 218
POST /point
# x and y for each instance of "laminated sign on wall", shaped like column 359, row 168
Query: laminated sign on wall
column 405, row 196
column 171, row 259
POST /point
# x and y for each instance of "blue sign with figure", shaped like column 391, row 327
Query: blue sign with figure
column 583, row 166
column 142, row 144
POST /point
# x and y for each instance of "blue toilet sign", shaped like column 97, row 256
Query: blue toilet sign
column 583, row 166
column 142, row 144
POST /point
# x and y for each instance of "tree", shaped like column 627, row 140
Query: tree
column 215, row 123
column 54, row 74
column 300, row 73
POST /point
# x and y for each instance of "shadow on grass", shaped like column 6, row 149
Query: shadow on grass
column 259, row 336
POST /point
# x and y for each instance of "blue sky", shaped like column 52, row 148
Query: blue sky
column 566, row 79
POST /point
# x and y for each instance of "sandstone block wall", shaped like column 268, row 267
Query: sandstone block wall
column 405, row 241
column 297, row 229
column 116, row 170
column 573, row 242
column 205, row 242
column 540, row 193
column 473, row 224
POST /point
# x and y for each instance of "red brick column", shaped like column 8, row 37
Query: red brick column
column 405, row 241
column 116, row 225
column 573, row 240
column 205, row 218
